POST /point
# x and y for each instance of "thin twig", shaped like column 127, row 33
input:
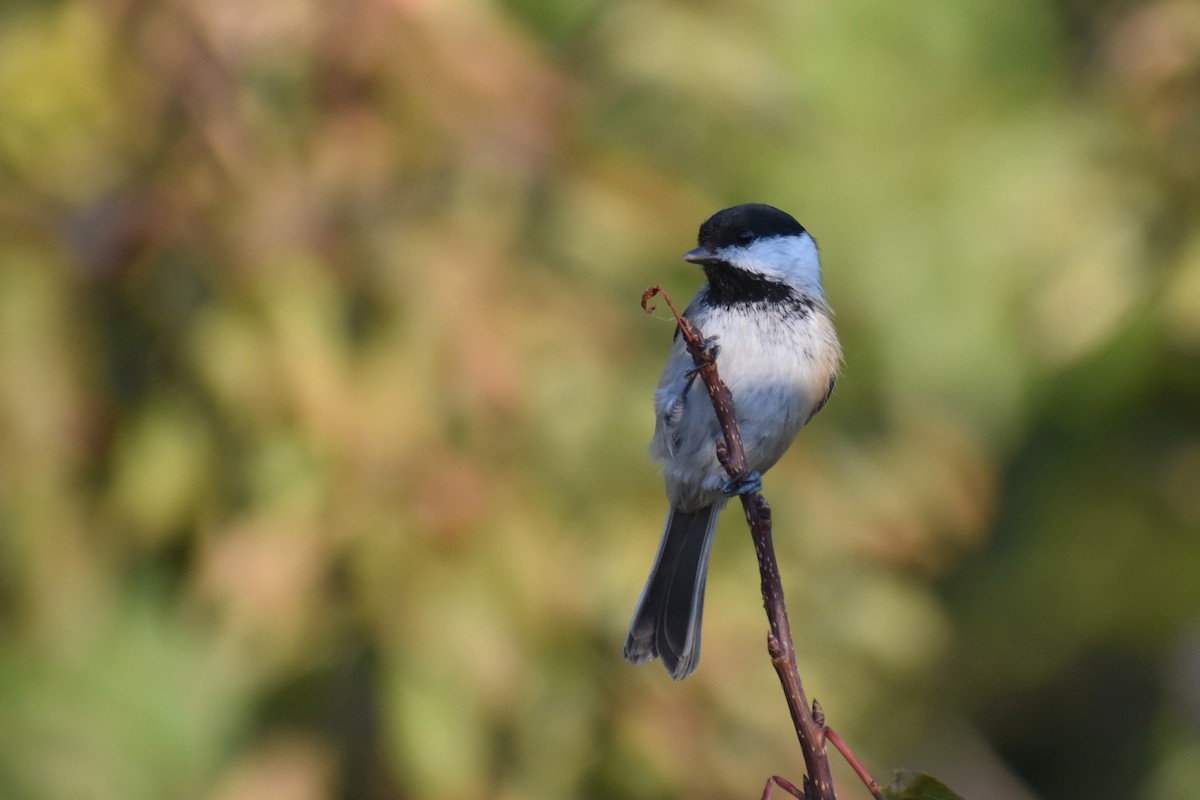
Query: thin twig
column 819, row 784
column 855, row 764
column 787, row 786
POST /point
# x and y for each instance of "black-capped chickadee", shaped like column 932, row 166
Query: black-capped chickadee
column 779, row 355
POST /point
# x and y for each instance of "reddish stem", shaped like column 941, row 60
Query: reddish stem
column 855, row 764
column 787, row 786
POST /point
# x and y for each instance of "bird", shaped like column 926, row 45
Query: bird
column 764, row 313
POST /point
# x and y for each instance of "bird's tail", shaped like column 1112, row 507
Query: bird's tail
column 666, row 623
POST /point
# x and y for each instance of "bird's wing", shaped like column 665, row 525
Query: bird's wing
column 670, row 400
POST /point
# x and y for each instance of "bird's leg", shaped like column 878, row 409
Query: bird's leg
column 675, row 412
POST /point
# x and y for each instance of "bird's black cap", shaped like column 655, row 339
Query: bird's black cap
column 743, row 224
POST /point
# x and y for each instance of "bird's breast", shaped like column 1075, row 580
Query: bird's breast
column 779, row 368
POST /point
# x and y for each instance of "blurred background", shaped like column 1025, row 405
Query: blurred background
column 325, row 392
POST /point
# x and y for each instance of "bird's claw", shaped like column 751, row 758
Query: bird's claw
column 709, row 354
column 750, row 483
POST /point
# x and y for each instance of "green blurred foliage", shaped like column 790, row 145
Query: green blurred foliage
column 324, row 393
column 918, row 786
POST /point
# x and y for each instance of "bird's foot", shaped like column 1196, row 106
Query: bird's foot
column 709, row 355
column 750, row 483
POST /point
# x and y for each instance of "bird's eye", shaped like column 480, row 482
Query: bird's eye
column 744, row 237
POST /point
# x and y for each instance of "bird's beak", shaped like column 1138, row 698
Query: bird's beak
column 701, row 255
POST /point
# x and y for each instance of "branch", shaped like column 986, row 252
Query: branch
column 811, row 733
column 854, row 763
column 774, row 781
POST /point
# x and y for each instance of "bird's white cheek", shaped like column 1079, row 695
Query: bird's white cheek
column 788, row 259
